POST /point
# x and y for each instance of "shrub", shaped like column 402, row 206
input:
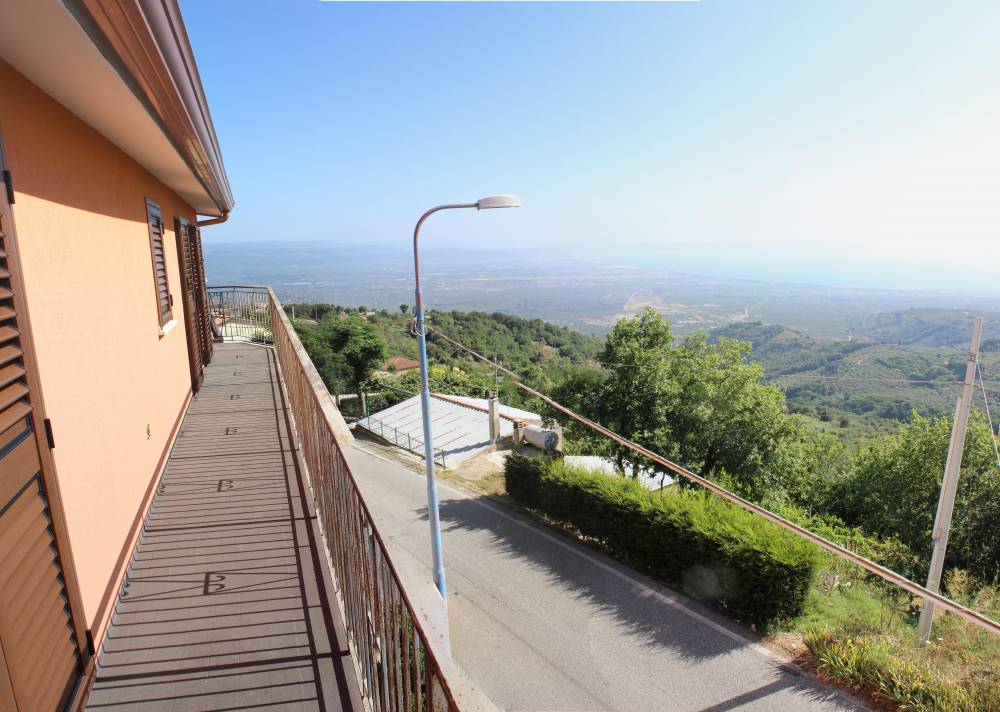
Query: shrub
column 888, row 551
column 713, row 550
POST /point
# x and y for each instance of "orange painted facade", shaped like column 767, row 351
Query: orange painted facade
column 113, row 385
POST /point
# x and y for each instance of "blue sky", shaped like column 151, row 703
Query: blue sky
column 853, row 143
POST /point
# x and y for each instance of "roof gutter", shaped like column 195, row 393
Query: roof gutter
column 146, row 42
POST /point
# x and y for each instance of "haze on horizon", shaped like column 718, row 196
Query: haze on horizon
column 853, row 144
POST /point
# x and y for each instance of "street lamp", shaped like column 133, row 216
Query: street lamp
column 488, row 203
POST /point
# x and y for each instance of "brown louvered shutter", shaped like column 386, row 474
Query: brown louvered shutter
column 164, row 301
column 40, row 653
column 203, row 303
column 191, row 290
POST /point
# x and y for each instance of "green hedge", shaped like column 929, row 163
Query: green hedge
column 709, row 548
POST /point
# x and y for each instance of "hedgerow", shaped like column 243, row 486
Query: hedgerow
column 714, row 551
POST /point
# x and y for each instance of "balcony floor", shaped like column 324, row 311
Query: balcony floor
column 229, row 602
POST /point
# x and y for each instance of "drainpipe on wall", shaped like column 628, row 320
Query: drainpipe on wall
column 214, row 221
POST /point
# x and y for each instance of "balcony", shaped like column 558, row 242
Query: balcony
column 260, row 578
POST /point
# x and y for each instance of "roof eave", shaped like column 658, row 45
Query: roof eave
column 147, row 44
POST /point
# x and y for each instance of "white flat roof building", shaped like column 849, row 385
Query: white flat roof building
column 460, row 426
column 647, row 478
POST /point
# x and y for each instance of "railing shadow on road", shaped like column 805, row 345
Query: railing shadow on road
column 659, row 617
column 738, row 701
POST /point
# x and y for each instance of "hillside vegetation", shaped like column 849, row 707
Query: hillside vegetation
column 540, row 352
column 854, row 452
column 852, row 389
column 921, row 327
column 860, row 388
column 841, row 428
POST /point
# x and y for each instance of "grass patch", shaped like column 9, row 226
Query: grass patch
column 862, row 633
column 491, row 484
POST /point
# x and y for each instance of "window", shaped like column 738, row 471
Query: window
column 164, row 302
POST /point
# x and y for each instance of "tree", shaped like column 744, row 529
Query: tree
column 329, row 365
column 360, row 346
column 580, row 391
column 815, row 466
column 697, row 402
column 344, row 351
column 632, row 400
column 724, row 422
column 450, row 380
column 404, row 309
column 895, row 482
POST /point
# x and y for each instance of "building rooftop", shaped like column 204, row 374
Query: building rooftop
column 506, row 411
column 398, row 364
column 649, row 479
column 460, row 426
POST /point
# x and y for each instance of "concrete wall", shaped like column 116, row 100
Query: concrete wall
column 113, row 386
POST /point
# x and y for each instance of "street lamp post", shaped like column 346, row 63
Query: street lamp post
column 493, row 201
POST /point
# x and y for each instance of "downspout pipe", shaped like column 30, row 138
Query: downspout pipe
column 216, row 334
column 214, row 221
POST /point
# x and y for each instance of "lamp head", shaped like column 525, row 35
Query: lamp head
column 498, row 201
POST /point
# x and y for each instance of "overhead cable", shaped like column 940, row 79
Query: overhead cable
column 989, row 419
column 877, row 569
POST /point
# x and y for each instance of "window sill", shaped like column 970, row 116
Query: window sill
column 167, row 328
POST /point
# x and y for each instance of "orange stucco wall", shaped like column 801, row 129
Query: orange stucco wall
column 107, row 375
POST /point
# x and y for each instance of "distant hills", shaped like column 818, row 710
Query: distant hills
column 853, row 358
column 862, row 386
column 924, row 327
column 588, row 296
column 895, row 363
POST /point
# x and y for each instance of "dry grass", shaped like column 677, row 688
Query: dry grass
column 862, row 635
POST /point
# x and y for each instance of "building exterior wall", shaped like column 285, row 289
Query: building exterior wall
column 113, row 386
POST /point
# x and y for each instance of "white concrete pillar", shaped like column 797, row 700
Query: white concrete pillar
column 494, row 407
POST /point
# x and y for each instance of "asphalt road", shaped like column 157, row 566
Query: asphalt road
column 542, row 623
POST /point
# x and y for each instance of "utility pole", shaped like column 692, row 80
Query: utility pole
column 496, row 374
column 949, row 485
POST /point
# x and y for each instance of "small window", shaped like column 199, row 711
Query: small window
column 164, row 302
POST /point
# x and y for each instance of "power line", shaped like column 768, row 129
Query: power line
column 803, row 375
column 989, row 419
column 919, row 381
column 384, row 384
column 864, row 378
column 877, row 569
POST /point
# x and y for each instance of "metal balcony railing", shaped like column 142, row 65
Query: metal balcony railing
column 241, row 313
column 397, row 667
column 398, row 437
